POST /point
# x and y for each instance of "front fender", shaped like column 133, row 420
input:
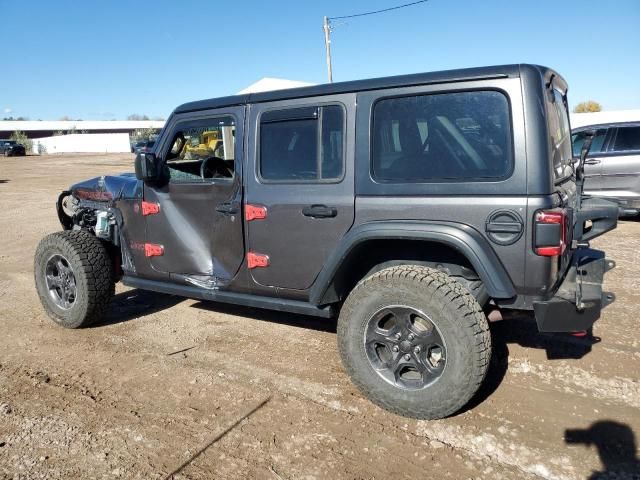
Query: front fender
column 466, row 240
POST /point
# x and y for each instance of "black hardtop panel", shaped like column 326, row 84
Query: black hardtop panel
column 447, row 76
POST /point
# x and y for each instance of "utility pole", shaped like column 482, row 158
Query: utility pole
column 327, row 44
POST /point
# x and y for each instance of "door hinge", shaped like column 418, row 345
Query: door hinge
column 257, row 260
column 150, row 208
column 254, row 212
column 153, row 250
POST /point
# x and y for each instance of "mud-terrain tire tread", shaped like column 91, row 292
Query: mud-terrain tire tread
column 468, row 315
column 92, row 268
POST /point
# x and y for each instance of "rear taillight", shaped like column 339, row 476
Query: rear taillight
column 550, row 237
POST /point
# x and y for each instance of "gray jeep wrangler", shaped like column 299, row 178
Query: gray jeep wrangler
column 406, row 206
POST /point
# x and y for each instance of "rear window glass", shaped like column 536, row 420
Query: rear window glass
column 627, row 139
column 559, row 134
column 442, row 137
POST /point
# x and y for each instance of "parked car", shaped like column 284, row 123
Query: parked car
column 137, row 145
column 612, row 169
column 10, row 148
column 404, row 206
column 142, row 146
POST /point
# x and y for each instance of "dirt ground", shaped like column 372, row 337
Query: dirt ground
column 168, row 386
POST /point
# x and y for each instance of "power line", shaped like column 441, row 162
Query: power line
column 378, row 11
column 327, row 27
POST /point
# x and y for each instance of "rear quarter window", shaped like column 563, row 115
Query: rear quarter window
column 457, row 136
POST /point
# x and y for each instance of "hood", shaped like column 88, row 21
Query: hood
column 108, row 188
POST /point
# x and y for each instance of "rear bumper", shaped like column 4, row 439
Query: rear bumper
column 577, row 303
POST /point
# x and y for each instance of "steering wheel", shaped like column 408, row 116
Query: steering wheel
column 218, row 168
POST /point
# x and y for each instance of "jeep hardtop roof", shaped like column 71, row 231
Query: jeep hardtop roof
column 446, row 76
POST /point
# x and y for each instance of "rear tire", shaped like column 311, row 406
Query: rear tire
column 414, row 341
column 74, row 278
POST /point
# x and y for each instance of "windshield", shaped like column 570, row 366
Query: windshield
column 560, row 134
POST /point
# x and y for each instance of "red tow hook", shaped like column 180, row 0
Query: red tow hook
column 580, row 333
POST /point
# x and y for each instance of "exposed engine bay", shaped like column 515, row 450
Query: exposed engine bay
column 96, row 205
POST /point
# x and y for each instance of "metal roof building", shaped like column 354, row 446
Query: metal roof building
column 46, row 128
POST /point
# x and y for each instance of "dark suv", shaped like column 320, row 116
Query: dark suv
column 406, row 206
column 10, row 148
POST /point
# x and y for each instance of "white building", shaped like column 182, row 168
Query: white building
column 598, row 118
column 106, row 135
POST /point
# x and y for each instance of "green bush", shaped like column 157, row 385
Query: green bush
column 587, row 107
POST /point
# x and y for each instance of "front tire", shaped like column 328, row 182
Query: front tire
column 74, row 278
column 414, row 341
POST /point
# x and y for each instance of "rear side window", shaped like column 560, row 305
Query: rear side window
column 596, row 143
column 302, row 144
column 442, row 137
column 627, row 139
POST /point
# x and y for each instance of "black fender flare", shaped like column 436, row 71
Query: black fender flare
column 463, row 238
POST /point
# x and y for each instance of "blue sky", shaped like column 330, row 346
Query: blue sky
column 109, row 59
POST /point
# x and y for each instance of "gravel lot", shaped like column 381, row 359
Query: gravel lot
column 168, row 386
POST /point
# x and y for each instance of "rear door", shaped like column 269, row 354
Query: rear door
column 620, row 166
column 195, row 217
column 299, row 171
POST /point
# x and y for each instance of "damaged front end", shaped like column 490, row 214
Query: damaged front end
column 97, row 205
column 79, row 206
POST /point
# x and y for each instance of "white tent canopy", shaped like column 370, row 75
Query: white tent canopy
column 268, row 84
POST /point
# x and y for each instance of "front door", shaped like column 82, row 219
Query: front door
column 301, row 175
column 194, row 227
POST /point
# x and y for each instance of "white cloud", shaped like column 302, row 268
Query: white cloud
column 7, row 110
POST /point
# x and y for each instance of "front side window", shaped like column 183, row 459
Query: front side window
column 302, row 144
column 627, row 139
column 202, row 150
column 442, row 137
column 596, row 143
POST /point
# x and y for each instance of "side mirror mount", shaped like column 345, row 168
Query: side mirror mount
column 146, row 165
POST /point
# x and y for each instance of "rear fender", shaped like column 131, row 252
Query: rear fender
column 462, row 238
